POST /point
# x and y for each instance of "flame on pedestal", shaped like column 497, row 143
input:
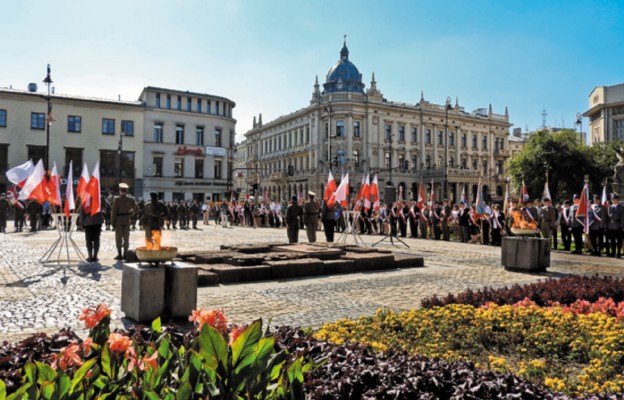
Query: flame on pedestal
column 154, row 242
column 520, row 222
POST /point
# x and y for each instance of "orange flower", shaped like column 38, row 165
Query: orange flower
column 214, row 318
column 236, row 331
column 86, row 346
column 143, row 364
column 118, row 343
column 92, row 317
column 68, row 357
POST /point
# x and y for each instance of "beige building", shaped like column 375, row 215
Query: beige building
column 349, row 129
column 82, row 130
column 188, row 144
column 606, row 114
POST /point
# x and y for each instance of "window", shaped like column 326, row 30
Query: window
column 474, row 142
column 401, row 162
column 217, row 134
column 414, row 162
column 500, row 168
column 179, row 137
column 217, row 169
column 474, row 165
column 74, row 123
column 199, row 168
column 108, row 164
column 157, row 100
column 387, row 161
column 464, row 140
column 387, row 131
column 179, row 103
column 401, row 133
column 189, row 103
column 37, row 120
column 4, row 158
column 451, row 139
column 108, row 126
column 75, row 156
column 464, row 163
column 199, row 135
column 199, row 105
column 414, row 135
column 427, row 136
column 208, row 106
column 356, row 129
column 127, row 164
column 158, row 133
column 340, row 129
column 217, row 107
column 501, row 145
column 440, row 138
column 618, row 127
column 484, row 143
column 157, row 166
column 356, row 158
column 178, row 167
column 127, row 127
column 3, row 118
column 485, row 168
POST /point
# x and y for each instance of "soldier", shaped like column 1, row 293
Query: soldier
column 293, row 212
column 154, row 214
column 123, row 208
column 311, row 211
column 577, row 227
column 498, row 223
column 173, row 214
column 414, row 216
column 445, row 215
column 194, row 212
column 19, row 210
column 34, row 212
column 328, row 216
column 597, row 228
column 615, row 225
column 566, row 235
column 547, row 218
column 425, row 221
column 4, row 211
column 434, row 217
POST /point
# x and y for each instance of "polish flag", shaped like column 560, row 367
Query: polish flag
column 82, row 183
column 432, row 197
column 421, row 196
column 70, row 205
column 604, row 200
column 54, row 187
column 35, row 187
column 93, row 189
column 366, row 193
column 330, row 188
column 342, row 192
column 374, row 189
column 525, row 193
column 18, row 175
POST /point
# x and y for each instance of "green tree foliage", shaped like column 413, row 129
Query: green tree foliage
column 566, row 160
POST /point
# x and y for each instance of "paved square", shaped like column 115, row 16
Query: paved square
column 38, row 298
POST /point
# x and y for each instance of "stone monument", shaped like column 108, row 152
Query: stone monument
column 618, row 172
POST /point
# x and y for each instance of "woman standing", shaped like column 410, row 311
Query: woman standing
column 92, row 225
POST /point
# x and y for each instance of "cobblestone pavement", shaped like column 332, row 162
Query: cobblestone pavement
column 45, row 298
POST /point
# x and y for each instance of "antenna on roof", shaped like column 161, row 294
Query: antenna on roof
column 544, row 115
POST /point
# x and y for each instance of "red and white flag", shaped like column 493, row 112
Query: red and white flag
column 36, row 186
column 330, row 188
column 342, row 192
column 18, row 175
column 93, row 189
column 14, row 196
column 525, row 193
column 421, row 196
column 70, row 205
column 604, row 200
column 374, row 189
column 432, row 194
column 82, row 183
column 54, row 187
column 366, row 193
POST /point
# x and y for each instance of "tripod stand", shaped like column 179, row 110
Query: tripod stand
column 392, row 235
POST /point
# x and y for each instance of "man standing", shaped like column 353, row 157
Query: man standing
column 547, row 217
column 311, row 211
column 597, row 228
column 614, row 227
column 154, row 214
column 34, row 213
column 566, row 236
column 414, row 217
column 4, row 211
column 434, row 217
column 328, row 216
column 293, row 212
column 498, row 222
column 577, row 227
column 445, row 216
column 123, row 208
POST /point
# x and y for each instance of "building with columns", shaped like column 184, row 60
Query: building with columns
column 606, row 114
column 347, row 128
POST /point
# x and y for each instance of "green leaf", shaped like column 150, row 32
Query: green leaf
column 2, row 390
column 30, row 370
column 164, row 350
column 105, row 361
column 47, row 390
column 63, row 384
column 151, row 395
column 46, row 373
column 185, row 391
column 19, row 393
column 80, row 374
column 156, row 326
column 213, row 347
column 247, row 342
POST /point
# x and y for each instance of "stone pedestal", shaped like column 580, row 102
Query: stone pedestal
column 142, row 291
column 180, row 289
column 529, row 254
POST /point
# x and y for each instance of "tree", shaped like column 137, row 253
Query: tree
column 559, row 154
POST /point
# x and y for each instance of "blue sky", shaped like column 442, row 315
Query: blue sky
column 264, row 55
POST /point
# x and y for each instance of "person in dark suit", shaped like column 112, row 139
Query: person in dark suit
column 435, row 217
column 498, row 224
column 566, row 235
column 576, row 227
column 414, row 217
column 445, row 220
column 464, row 222
column 615, row 224
column 597, row 228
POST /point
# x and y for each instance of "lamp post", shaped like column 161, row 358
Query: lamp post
column 119, row 154
column 446, row 145
column 330, row 110
column 48, row 82
column 579, row 122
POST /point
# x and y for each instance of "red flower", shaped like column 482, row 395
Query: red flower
column 92, row 317
column 118, row 343
column 235, row 332
column 214, row 318
column 68, row 357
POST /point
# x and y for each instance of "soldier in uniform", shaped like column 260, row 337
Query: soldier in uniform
column 34, row 212
column 154, row 214
column 615, row 225
column 445, row 215
column 566, row 236
column 498, row 223
column 293, row 212
column 577, row 227
column 597, row 228
column 19, row 209
column 4, row 211
column 123, row 208
column 311, row 210
column 547, row 218
column 414, row 217
column 434, row 217
column 194, row 211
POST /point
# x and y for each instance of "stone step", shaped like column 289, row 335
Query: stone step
column 322, row 253
column 338, row 266
column 207, row 278
column 370, row 261
column 235, row 274
column 403, row 260
column 296, row 268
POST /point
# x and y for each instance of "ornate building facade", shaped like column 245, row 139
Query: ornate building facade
column 346, row 128
column 606, row 114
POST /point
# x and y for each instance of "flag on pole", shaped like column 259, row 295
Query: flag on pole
column 342, row 192
column 375, row 192
column 82, row 183
column 525, row 193
column 421, row 195
column 69, row 192
column 18, row 175
column 546, row 193
column 432, row 194
column 366, row 193
column 93, row 189
column 54, row 187
column 463, row 199
column 480, row 202
column 14, row 197
column 604, row 200
column 507, row 200
column 36, row 186
column 584, row 212
column 330, row 188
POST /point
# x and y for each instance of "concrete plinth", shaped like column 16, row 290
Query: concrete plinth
column 180, row 290
column 142, row 291
column 527, row 254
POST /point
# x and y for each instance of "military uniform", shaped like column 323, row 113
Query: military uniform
column 293, row 212
column 615, row 224
column 154, row 215
column 123, row 209
column 566, row 236
column 547, row 217
column 577, row 230
column 597, row 228
column 445, row 215
column 311, row 210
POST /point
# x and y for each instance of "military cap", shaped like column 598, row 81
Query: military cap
column 123, row 186
column 311, row 193
column 545, row 199
column 576, row 196
column 616, row 196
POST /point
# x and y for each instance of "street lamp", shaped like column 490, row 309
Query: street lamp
column 579, row 122
column 48, row 82
column 119, row 153
column 446, row 145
